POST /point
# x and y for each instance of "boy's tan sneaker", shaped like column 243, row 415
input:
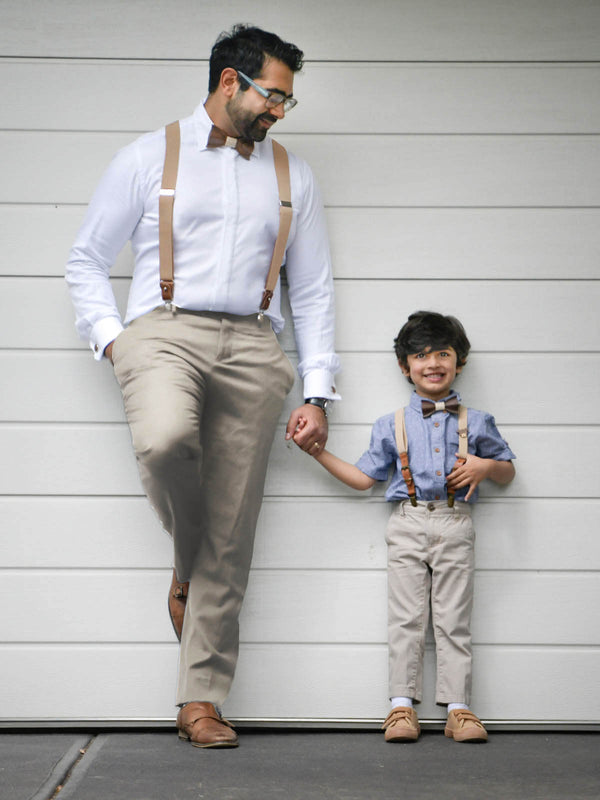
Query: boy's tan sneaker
column 401, row 725
column 464, row 726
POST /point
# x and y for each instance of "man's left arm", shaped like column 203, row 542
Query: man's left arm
column 310, row 281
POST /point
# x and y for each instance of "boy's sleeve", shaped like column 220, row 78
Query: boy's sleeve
column 376, row 461
column 490, row 443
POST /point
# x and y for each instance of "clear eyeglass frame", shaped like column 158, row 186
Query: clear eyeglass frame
column 273, row 99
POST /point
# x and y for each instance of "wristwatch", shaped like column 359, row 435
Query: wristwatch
column 322, row 402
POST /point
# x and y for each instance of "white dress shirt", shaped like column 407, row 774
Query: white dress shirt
column 225, row 222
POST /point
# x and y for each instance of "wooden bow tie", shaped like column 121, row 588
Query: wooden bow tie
column 429, row 407
column 218, row 138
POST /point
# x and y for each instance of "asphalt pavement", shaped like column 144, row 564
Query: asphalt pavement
column 283, row 764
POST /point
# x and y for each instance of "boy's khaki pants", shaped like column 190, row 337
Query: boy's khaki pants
column 203, row 393
column 430, row 555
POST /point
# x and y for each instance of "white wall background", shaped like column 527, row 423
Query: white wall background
column 456, row 143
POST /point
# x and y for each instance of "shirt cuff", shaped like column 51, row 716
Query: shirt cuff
column 320, row 383
column 103, row 333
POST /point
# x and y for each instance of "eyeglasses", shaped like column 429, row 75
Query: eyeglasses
column 273, row 99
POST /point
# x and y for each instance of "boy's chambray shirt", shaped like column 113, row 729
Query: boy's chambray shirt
column 432, row 449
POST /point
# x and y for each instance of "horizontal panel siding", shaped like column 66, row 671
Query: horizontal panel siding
column 293, row 533
column 382, row 30
column 288, row 681
column 77, row 389
column 294, row 606
column 462, row 98
column 393, row 170
column 97, row 460
column 555, row 316
column 439, row 243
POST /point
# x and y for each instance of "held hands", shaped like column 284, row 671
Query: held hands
column 307, row 427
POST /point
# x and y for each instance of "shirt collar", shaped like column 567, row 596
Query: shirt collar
column 415, row 400
column 203, row 124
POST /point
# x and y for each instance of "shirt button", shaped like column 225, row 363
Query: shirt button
column 436, row 424
column 437, row 497
column 438, row 472
column 437, row 449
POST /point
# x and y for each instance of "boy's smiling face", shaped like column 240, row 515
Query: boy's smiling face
column 432, row 372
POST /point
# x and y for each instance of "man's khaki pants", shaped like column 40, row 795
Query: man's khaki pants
column 430, row 557
column 203, row 393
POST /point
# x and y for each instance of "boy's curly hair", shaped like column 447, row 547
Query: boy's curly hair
column 429, row 330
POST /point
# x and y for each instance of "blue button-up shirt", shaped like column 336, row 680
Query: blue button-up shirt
column 432, row 449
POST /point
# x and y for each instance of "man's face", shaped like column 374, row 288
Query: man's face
column 248, row 111
column 432, row 372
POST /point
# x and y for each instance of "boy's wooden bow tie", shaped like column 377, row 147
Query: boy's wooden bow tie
column 218, row 138
column 429, row 407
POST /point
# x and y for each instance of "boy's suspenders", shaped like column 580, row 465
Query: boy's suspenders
column 165, row 215
column 402, row 445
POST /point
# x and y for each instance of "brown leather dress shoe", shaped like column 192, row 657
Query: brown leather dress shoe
column 203, row 726
column 402, row 725
column 177, row 600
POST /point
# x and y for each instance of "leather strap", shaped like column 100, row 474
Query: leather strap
column 402, row 445
column 463, row 445
column 165, row 215
column 166, row 201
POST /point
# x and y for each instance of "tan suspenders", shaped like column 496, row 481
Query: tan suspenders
column 165, row 216
column 402, row 445
column 166, row 201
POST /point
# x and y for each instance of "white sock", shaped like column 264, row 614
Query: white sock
column 457, row 706
column 401, row 701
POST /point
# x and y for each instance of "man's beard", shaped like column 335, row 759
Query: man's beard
column 248, row 125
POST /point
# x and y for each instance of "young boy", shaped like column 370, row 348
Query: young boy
column 430, row 535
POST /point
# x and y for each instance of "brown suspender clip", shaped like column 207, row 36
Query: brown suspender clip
column 166, row 289
column 266, row 299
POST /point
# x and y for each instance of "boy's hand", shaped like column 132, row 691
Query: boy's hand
column 470, row 474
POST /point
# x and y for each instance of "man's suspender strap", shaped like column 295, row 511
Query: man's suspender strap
column 166, row 201
column 165, row 215
column 402, row 445
column 282, row 171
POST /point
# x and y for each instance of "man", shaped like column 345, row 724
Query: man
column 202, row 375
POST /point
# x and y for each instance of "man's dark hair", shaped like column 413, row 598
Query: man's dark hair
column 245, row 48
column 428, row 330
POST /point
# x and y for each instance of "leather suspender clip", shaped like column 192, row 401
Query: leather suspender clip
column 266, row 299
column 166, row 289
